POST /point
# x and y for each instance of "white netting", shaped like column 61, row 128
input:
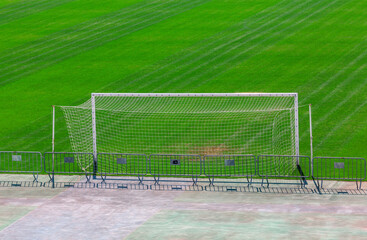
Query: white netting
column 185, row 125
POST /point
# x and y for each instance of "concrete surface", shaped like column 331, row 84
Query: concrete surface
column 95, row 213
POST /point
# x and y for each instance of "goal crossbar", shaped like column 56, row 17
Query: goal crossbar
column 195, row 94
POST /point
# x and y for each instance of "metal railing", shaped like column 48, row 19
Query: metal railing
column 119, row 164
column 284, row 166
column 219, row 166
column 339, row 168
column 264, row 167
column 176, row 165
column 69, row 163
column 21, row 162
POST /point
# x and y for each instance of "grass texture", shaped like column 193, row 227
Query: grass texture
column 58, row 52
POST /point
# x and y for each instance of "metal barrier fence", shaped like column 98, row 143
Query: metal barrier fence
column 69, row 163
column 284, row 166
column 339, row 168
column 175, row 165
column 122, row 164
column 229, row 166
column 21, row 162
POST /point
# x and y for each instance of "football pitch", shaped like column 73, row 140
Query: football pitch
column 59, row 52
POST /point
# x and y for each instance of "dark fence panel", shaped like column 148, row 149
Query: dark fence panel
column 175, row 165
column 69, row 163
column 339, row 168
column 21, row 162
column 215, row 166
column 229, row 165
column 284, row 166
column 118, row 164
column 122, row 164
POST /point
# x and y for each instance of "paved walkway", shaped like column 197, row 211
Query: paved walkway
column 92, row 213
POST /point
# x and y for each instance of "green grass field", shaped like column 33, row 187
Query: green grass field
column 59, row 51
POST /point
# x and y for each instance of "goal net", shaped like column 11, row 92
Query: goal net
column 203, row 124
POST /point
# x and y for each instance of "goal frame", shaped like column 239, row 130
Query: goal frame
column 93, row 95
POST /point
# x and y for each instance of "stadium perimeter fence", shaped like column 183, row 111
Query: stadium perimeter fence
column 228, row 167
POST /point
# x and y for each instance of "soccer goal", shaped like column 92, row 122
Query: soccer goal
column 185, row 123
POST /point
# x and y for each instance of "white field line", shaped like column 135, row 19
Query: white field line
column 180, row 59
column 340, row 124
column 75, row 36
column 247, row 50
column 173, row 71
column 191, row 53
column 336, row 75
column 155, row 19
column 84, row 25
column 24, row 4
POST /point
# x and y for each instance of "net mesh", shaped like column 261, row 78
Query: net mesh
column 203, row 125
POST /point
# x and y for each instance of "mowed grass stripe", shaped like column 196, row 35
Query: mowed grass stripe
column 92, row 26
column 346, row 82
column 5, row 3
column 353, row 64
column 66, row 37
column 205, row 51
column 350, row 53
column 299, row 21
column 255, row 18
column 52, row 56
column 232, row 52
column 342, row 123
column 258, row 47
column 18, row 6
column 206, row 46
column 284, row 35
column 350, row 71
column 232, row 48
column 339, row 108
column 290, row 54
column 299, row 6
column 17, row 35
column 12, row 144
column 266, row 18
column 23, row 9
column 287, row 20
column 326, row 85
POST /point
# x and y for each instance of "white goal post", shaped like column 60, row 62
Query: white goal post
column 191, row 123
